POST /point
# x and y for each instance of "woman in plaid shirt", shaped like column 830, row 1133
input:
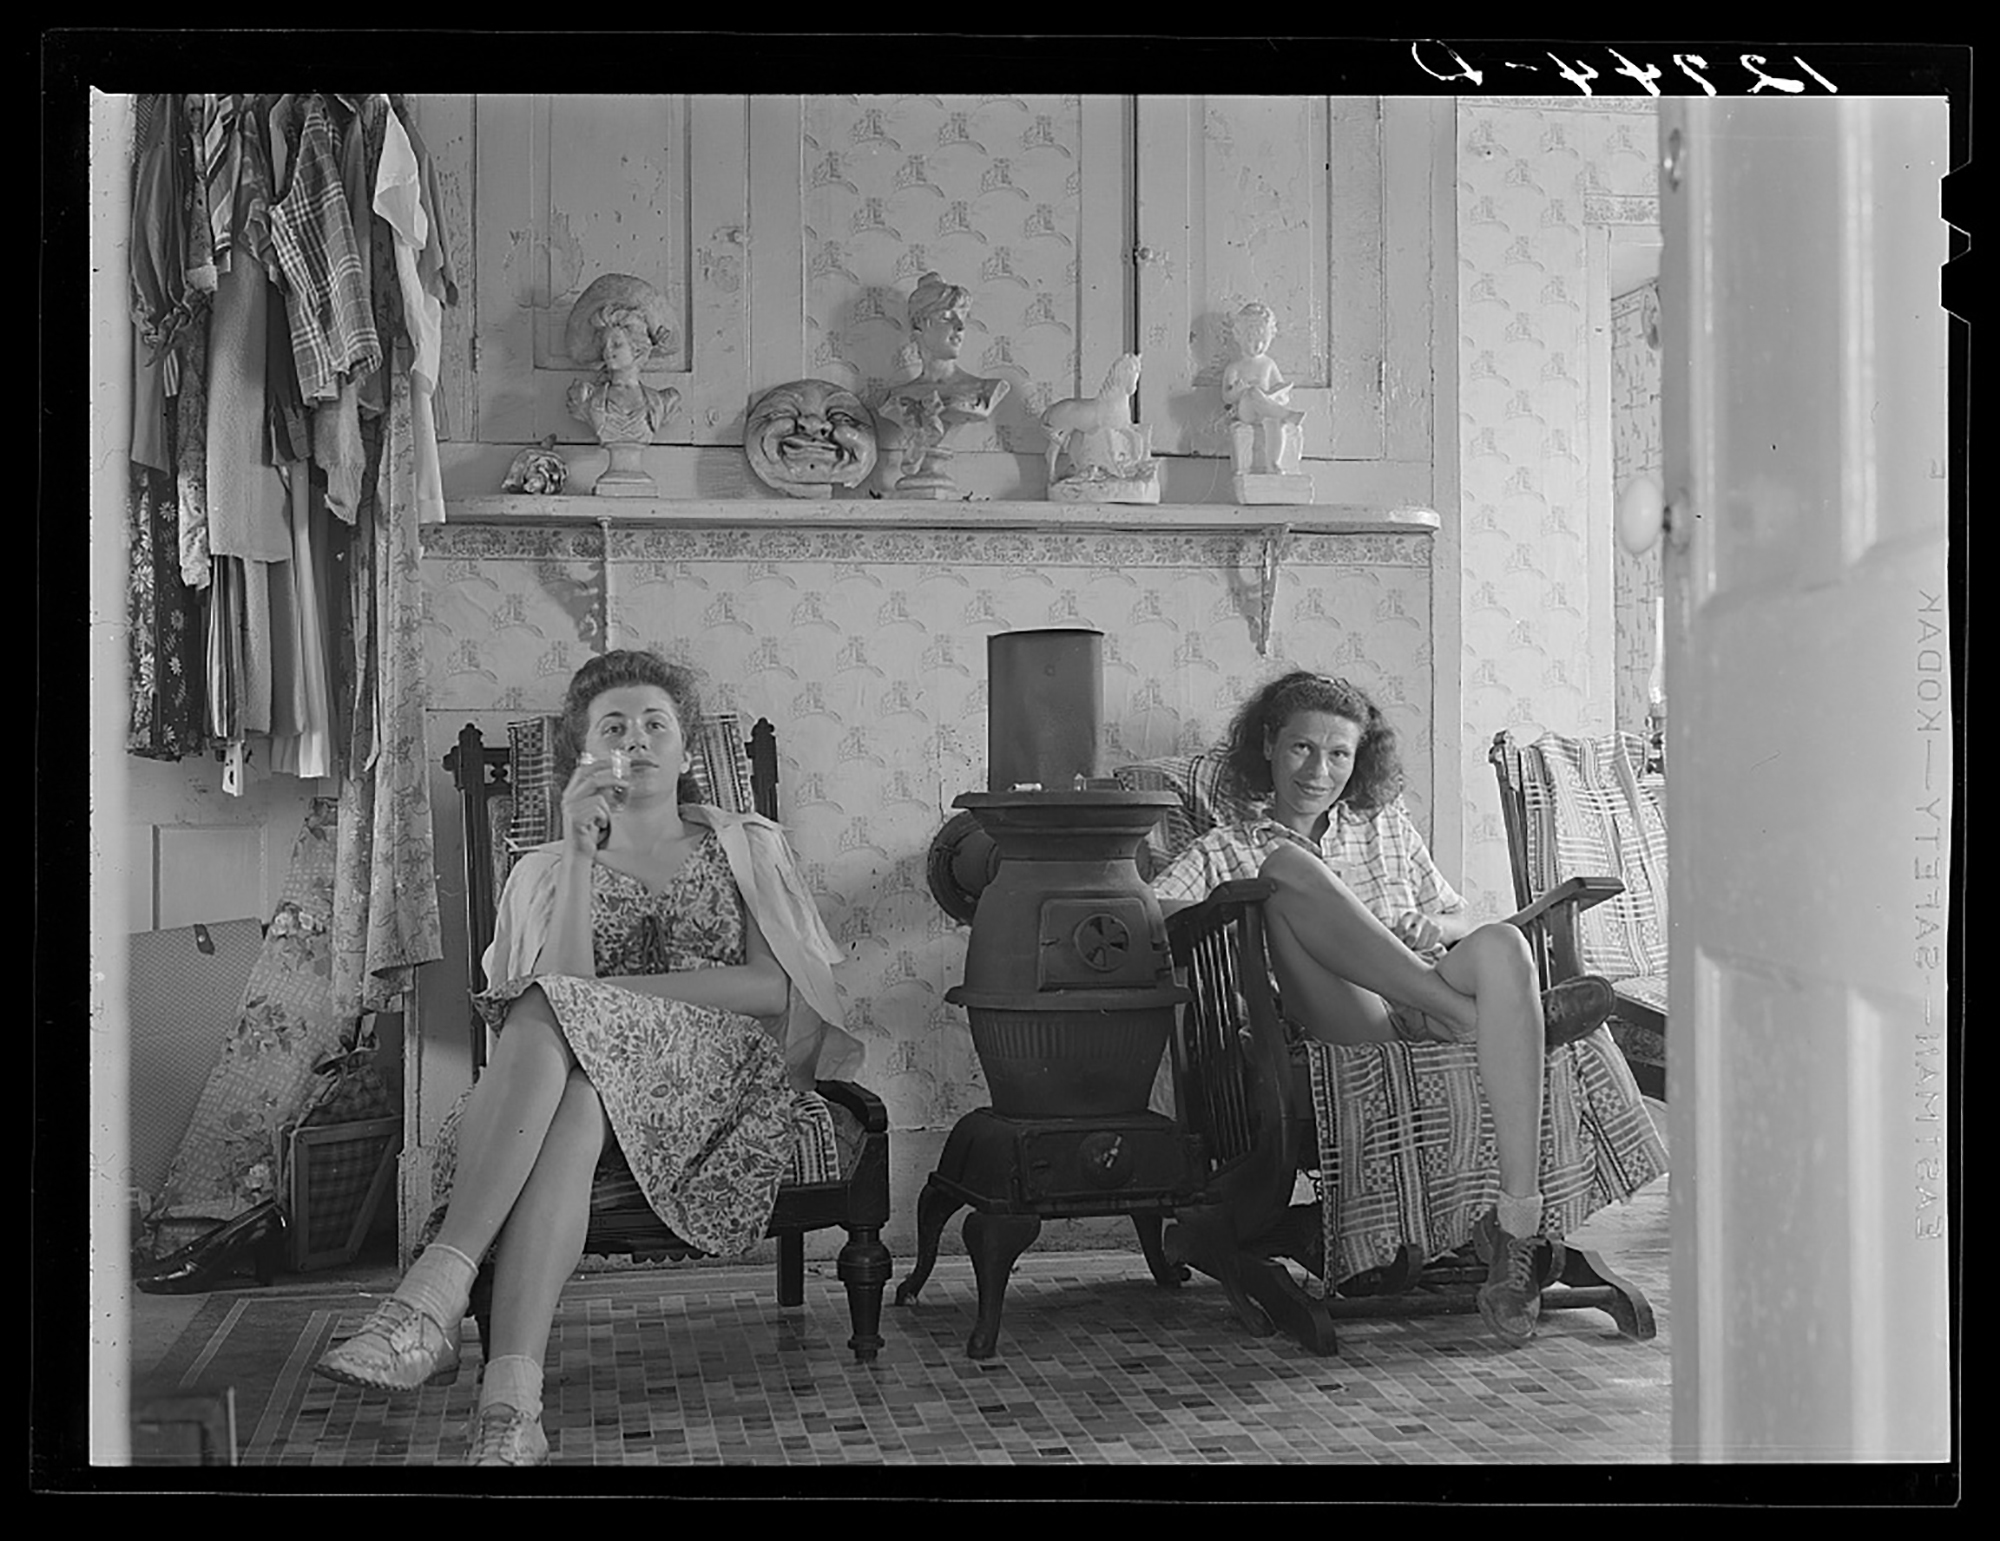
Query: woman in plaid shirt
column 1371, row 944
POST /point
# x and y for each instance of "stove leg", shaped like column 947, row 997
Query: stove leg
column 994, row 1242
column 1165, row 1274
column 934, row 1207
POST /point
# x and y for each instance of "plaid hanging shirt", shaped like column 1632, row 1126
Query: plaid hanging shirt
column 326, row 291
column 1380, row 856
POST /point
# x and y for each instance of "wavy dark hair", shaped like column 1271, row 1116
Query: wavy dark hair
column 609, row 671
column 1377, row 778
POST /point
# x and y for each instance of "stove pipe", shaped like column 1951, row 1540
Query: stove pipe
column 1045, row 712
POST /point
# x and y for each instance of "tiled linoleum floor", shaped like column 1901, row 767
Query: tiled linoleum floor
column 1096, row 1365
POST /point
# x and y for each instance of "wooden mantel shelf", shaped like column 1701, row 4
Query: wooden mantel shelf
column 797, row 513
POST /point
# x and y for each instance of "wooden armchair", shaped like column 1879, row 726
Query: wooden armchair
column 1571, row 809
column 1399, row 1186
column 506, row 805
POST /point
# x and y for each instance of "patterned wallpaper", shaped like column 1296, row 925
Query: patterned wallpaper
column 987, row 192
column 866, row 648
column 1635, row 445
column 1534, row 537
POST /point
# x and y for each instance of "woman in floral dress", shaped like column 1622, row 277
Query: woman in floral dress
column 661, row 979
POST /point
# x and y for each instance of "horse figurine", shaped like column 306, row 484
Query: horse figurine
column 1110, row 457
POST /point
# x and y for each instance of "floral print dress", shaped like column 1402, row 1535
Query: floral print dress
column 696, row 1097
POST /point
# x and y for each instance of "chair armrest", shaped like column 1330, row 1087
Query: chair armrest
column 858, row 1100
column 1197, row 919
column 1581, row 892
column 1551, row 926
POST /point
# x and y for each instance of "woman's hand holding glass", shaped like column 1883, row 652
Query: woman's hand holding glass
column 597, row 787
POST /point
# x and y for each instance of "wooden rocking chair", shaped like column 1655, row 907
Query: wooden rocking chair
column 1243, row 1091
column 490, row 781
column 1605, row 825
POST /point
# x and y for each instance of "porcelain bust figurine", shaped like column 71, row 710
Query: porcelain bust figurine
column 1267, row 435
column 940, row 396
column 615, row 323
column 809, row 436
column 1110, row 457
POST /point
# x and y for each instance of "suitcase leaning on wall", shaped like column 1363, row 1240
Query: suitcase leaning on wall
column 184, row 995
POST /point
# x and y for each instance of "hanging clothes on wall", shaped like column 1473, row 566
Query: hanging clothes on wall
column 165, row 614
column 385, row 916
column 246, row 495
column 191, row 403
column 166, row 628
column 326, row 298
column 434, row 267
column 301, row 718
column 400, row 200
column 163, row 297
column 337, row 447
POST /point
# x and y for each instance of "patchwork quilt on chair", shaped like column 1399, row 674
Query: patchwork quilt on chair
column 1406, row 1149
column 1589, row 814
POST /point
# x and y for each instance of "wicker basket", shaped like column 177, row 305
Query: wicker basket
column 338, row 1176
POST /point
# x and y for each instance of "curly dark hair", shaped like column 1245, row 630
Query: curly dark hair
column 1377, row 778
column 609, row 671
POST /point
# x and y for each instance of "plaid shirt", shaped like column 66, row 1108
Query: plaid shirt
column 326, row 288
column 1380, row 856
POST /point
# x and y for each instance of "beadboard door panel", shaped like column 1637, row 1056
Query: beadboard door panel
column 573, row 187
column 1298, row 203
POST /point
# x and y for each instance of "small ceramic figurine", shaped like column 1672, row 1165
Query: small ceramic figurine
column 618, row 320
column 537, row 470
column 1267, row 436
column 940, row 396
column 1110, row 457
column 809, row 436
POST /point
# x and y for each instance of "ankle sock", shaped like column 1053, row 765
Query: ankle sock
column 1520, row 1215
column 516, row 1381
column 439, row 1284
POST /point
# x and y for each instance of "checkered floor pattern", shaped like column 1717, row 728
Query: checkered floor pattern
column 1096, row 1365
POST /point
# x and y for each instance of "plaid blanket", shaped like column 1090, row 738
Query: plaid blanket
column 1406, row 1150
column 1590, row 816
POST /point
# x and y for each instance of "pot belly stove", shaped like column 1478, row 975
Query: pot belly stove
column 1069, row 986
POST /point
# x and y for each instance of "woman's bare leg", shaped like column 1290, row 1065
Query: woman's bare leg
column 543, row 1237
column 1340, row 955
column 1495, row 966
column 1336, row 963
column 505, row 1123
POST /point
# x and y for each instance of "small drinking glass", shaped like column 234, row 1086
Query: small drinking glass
column 621, row 774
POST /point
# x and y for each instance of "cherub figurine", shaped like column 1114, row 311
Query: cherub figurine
column 1267, row 436
column 940, row 395
column 617, row 321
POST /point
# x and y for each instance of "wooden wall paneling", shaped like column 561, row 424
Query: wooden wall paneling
column 777, row 281
column 504, row 237
column 713, row 405
column 572, row 187
column 1166, row 135
column 1320, row 208
column 1104, row 229
column 1348, row 421
column 212, row 872
column 1413, row 274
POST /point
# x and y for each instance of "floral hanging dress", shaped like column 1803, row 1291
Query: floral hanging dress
column 696, row 1097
